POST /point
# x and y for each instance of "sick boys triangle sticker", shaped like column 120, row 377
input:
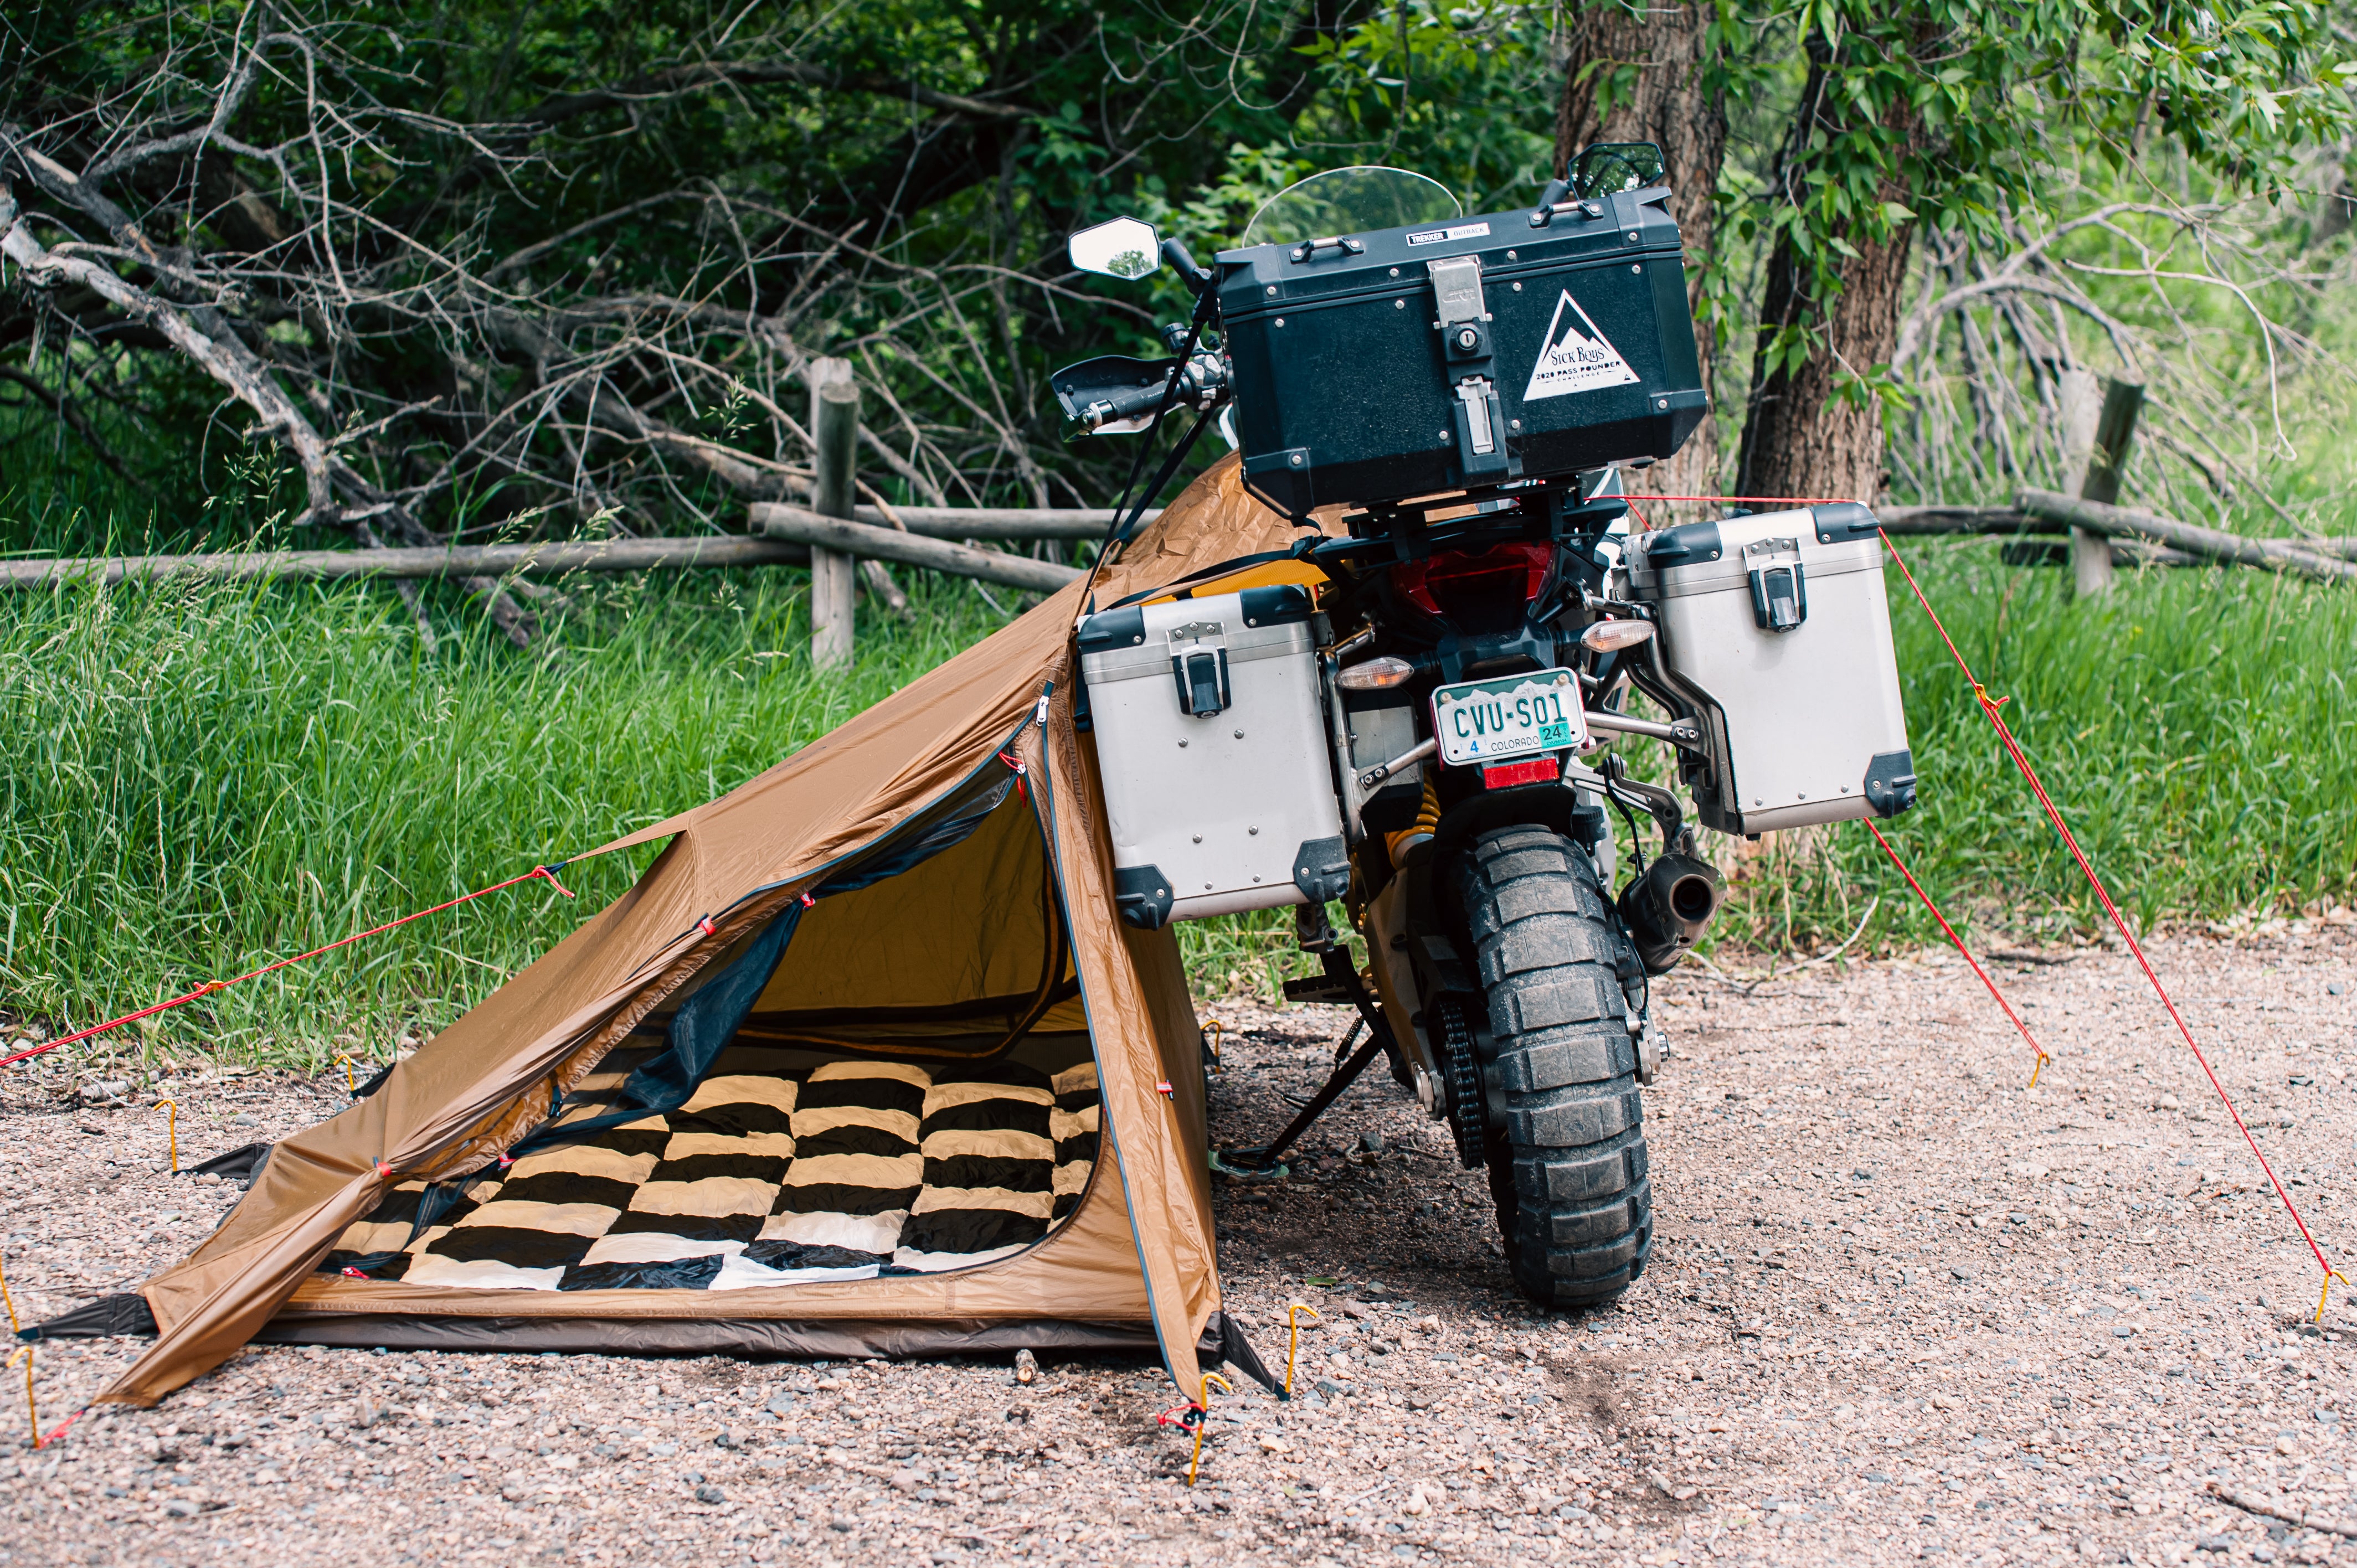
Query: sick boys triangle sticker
column 1572, row 361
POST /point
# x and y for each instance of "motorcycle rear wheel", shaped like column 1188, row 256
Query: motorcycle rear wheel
column 1567, row 1158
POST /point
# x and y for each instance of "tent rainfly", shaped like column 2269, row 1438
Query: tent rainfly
column 866, row 1064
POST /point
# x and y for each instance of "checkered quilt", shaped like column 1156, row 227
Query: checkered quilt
column 786, row 1166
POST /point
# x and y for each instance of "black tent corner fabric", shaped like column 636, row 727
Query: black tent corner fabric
column 748, row 1339
column 100, row 1319
column 705, row 1023
column 240, row 1165
column 1223, row 1340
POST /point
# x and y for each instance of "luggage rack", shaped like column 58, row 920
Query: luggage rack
column 1539, row 509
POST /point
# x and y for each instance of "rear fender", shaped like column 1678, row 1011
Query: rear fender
column 1433, row 924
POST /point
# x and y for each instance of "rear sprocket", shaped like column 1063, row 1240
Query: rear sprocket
column 1465, row 1094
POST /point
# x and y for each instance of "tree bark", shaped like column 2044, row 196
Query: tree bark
column 1800, row 438
column 1644, row 78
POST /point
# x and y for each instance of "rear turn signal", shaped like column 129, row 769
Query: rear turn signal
column 1607, row 635
column 1378, row 675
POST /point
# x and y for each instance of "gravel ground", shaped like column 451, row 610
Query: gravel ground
column 1902, row 1306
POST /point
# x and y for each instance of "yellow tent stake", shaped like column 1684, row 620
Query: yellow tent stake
column 31, row 1413
column 350, row 1084
column 2330, row 1275
column 10, row 1302
column 171, row 1110
column 1293, row 1351
column 1212, row 1033
column 1202, row 1407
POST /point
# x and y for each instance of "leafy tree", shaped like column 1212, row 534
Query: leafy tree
column 1945, row 113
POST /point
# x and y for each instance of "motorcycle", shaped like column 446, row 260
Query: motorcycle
column 1442, row 709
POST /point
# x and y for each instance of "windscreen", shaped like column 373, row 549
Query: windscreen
column 1350, row 201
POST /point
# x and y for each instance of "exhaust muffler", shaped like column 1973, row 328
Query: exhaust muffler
column 1666, row 908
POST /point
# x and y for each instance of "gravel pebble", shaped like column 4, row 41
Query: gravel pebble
column 1829, row 1360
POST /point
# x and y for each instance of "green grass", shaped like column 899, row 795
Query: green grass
column 198, row 780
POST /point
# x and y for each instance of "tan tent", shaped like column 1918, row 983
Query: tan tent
column 865, row 1064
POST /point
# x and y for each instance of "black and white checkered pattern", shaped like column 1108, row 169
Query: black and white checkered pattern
column 783, row 1168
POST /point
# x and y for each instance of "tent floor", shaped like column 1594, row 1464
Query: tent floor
column 787, row 1167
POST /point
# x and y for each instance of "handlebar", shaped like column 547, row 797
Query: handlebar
column 1199, row 278
column 1122, row 403
column 1202, row 385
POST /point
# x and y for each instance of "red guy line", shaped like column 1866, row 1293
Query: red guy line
column 1989, row 706
column 2042, row 1058
column 209, row 986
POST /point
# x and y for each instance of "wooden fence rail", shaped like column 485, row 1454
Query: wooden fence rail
column 458, row 561
column 925, row 537
column 2047, row 512
column 867, row 540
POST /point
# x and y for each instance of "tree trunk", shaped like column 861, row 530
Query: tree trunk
column 1644, row 77
column 1800, row 438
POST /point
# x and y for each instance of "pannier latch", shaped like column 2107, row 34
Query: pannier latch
column 1462, row 319
column 1198, row 662
column 1779, row 589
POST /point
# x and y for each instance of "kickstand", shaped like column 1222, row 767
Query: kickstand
column 1347, row 1068
column 1346, row 1072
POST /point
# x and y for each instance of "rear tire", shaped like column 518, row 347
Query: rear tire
column 1568, row 1167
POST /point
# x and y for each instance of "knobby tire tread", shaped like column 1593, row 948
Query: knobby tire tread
column 1568, row 1170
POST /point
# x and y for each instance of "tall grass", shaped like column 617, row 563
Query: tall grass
column 194, row 780
column 197, row 780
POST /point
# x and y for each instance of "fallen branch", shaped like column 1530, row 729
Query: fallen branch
column 458, row 561
column 2267, row 1510
column 910, row 549
column 1935, row 520
column 204, row 337
column 2130, row 522
column 997, row 522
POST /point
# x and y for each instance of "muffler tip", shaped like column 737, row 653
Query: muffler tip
column 1666, row 909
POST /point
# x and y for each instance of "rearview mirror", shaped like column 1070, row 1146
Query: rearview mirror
column 1124, row 248
column 1608, row 168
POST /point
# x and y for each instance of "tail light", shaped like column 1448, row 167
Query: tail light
column 1469, row 588
column 1530, row 771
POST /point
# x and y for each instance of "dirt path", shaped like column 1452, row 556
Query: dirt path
column 1901, row 1307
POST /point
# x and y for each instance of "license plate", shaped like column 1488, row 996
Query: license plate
column 1483, row 721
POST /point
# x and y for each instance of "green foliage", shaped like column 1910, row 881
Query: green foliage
column 498, row 203
column 1465, row 94
column 1956, row 114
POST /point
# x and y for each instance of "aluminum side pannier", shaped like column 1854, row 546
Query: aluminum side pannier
column 1775, row 628
column 1211, row 741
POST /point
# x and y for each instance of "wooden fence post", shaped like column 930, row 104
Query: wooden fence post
column 835, row 431
column 2081, row 412
column 2097, row 434
column 2123, row 402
